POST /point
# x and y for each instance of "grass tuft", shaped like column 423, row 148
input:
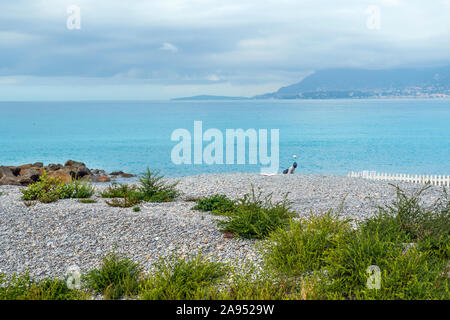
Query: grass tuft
column 87, row 201
column 151, row 188
column 154, row 189
column 24, row 288
column 255, row 216
column 218, row 204
column 175, row 278
column 118, row 276
column 303, row 245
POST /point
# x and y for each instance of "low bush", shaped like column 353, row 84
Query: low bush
column 217, row 204
column 302, row 246
column 175, row 278
column 48, row 189
column 154, row 189
column 249, row 283
column 116, row 190
column 151, row 188
column 118, row 276
column 24, row 288
column 255, row 216
column 79, row 189
column 406, row 241
column 401, row 252
column 403, row 273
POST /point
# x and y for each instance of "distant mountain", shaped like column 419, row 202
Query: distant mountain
column 209, row 97
column 360, row 83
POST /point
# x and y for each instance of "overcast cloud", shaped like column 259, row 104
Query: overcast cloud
column 162, row 49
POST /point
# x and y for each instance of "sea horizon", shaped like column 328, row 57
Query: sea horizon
column 330, row 136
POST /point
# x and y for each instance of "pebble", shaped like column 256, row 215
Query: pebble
column 47, row 239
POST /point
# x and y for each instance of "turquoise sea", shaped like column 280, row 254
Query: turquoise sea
column 328, row 136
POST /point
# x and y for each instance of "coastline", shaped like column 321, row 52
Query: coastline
column 48, row 238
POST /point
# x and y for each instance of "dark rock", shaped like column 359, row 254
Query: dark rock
column 9, row 181
column 71, row 163
column 127, row 175
column 77, row 169
column 64, row 175
column 25, row 166
column 77, row 173
column 6, row 172
column 54, row 167
column 98, row 172
column 121, row 173
column 30, row 174
column 102, row 179
column 24, row 181
column 15, row 171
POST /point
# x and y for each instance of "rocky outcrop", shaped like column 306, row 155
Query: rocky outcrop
column 30, row 173
column 122, row 174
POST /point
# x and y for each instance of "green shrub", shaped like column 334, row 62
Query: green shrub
column 49, row 197
column 249, row 283
column 417, row 221
column 116, row 190
column 86, row 201
column 136, row 209
column 404, row 275
column 153, row 187
column 218, row 204
column 411, row 222
column 48, row 189
column 415, row 273
column 24, row 288
column 123, row 195
column 255, row 216
column 302, row 247
column 436, row 228
column 180, row 279
column 117, row 276
column 80, row 189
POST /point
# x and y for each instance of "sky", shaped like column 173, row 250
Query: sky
column 153, row 50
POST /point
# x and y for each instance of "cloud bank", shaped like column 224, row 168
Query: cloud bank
column 163, row 49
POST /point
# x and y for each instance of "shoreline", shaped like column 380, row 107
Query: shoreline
column 48, row 238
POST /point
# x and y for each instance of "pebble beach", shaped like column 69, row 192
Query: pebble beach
column 46, row 239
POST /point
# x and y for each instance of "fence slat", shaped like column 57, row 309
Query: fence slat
column 438, row 180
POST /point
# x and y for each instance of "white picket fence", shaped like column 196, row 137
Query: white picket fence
column 436, row 180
